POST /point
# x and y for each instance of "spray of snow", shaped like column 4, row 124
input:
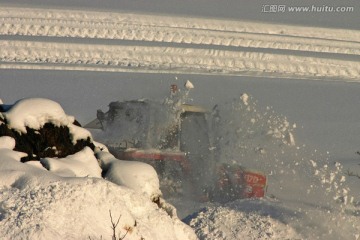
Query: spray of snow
column 243, row 133
column 257, row 138
column 249, row 136
column 189, row 85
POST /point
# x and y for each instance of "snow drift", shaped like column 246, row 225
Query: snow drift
column 66, row 198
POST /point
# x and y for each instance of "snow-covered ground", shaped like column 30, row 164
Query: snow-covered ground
column 66, row 197
column 139, row 42
column 86, row 59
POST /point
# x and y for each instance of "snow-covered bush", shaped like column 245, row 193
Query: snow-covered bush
column 41, row 129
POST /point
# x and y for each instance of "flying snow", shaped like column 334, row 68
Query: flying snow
column 189, row 85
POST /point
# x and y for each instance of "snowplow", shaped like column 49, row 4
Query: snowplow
column 177, row 140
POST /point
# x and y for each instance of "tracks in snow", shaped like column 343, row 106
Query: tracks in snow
column 173, row 44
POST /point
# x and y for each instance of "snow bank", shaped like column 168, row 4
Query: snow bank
column 81, row 164
column 65, row 198
column 243, row 219
column 138, row 176
column 36, row 204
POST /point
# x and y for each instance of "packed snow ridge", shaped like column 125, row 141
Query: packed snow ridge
column 67, row 198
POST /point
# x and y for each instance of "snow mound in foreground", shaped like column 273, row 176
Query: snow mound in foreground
column 36, row 204
column 242, row 219
column 61, row 203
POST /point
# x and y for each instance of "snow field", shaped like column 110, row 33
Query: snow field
column 105, row 25
column 255, row 48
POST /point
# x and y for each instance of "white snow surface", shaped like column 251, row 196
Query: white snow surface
column 242, row 219
column 138, row 176
column 80, row 164
column 7, row 142
column 37, row 204
column 65, row 198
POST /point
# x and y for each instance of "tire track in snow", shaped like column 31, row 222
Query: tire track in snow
column 207, row 45
column 140, row 27
column 173, row 59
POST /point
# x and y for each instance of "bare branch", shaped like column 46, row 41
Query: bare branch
column 114, row 226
